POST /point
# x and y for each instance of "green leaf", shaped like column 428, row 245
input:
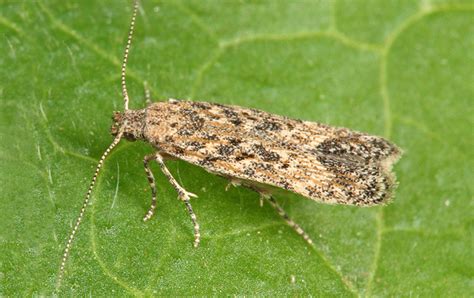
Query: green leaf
column 401, row 69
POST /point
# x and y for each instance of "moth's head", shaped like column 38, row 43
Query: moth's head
column 132, row 122
column 117, row 118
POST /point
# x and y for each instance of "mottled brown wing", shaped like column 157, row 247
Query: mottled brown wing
column 328, row 164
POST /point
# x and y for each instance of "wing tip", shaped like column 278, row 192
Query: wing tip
column 388, row 181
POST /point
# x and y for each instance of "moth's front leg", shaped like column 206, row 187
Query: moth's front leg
column 183, row 194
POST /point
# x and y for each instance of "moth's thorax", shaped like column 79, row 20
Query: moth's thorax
column 132, row 122
column 162, row 120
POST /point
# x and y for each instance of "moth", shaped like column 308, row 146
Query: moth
column 255, row 149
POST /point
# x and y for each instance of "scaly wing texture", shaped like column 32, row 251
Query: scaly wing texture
column 328, row 164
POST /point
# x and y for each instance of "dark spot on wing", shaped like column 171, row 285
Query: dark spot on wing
column 264, row 166
column 194, row 146
column 249, row 116
column 186, row 111
column 232, row 116
column 208, row 136
column 337, row 165
column 283, row 183
column 244, row 155
column 200, row 105
column 229, row 113
column 289, row 146
column 357, row 147
column 266, row 155
column 236, row 121
column 214, row 116
column 185, row 132
column 193, row 123
column 267, row 125
column 332, row 146
column 225, row 150
column 208, row 160
column 249, row 172
column 234, row 141
column 178, row 150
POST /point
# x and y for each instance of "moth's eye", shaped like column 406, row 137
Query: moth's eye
column 117, row 117
column 129, row 137
column 114, row 129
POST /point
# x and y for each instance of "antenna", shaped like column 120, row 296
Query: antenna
column 84, row 206
column 104, row 155
column 125, row 54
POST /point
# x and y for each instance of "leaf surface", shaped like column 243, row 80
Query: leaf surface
column 400, row 69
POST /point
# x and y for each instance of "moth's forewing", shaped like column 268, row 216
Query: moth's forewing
column 324, row 163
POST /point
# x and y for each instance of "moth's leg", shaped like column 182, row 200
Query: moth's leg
column 232, row 182
column 183, row 194
column 285, row 216
column 151, row 180
column 147, row 94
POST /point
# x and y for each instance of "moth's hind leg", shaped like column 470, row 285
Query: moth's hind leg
column 265, row 195
column 183, row 194
column 286, row 217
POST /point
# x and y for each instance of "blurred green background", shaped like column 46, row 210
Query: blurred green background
column 400, row 69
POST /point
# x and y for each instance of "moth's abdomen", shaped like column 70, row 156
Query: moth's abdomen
column 327, row 164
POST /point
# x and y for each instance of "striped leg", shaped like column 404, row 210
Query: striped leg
column 285, row 216
column 183, row 194
column 151, row 180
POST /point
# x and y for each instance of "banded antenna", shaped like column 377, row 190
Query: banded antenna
column 117, row 139
column 125, row 54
